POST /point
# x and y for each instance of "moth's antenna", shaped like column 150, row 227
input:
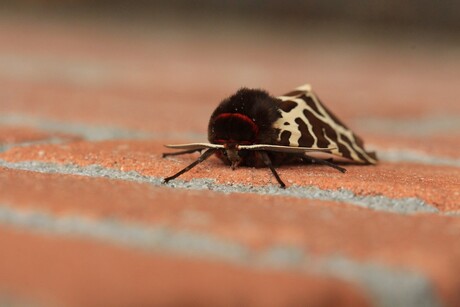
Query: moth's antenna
column 195, row 146
column 203, row 157
column 182, row 152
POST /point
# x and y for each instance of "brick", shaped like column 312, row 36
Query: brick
column 75, row 272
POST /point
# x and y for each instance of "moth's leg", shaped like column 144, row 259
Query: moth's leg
column 183, row 152
column 203, row 157
column 307, row 158
column 268, row 162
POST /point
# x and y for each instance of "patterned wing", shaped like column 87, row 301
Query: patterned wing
column 306, row 122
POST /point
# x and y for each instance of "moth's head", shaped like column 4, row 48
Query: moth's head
column 232, row 128
column 231, row 152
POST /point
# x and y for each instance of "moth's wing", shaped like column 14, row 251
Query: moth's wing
column 306, row 122
column 285, row 149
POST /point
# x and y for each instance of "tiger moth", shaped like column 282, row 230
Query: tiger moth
column 253, row 128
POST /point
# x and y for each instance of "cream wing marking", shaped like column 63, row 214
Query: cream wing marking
column 322, row 115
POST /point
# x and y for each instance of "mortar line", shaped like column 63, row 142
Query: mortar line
column 386, row 285
column 378, row 203
column 46, row 141
column 92, row 132
column 88, row 131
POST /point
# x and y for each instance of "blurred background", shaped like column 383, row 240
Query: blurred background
column 92, row 60
column 386, row 68
column 422, row 15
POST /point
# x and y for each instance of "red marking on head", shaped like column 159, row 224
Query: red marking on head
column 254, row 127
column 230, row 141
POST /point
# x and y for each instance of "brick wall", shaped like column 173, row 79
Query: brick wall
column 86, row 107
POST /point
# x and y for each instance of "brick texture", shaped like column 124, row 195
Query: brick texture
column 86, row 107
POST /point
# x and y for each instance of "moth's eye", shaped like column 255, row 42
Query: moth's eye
column 224, row 152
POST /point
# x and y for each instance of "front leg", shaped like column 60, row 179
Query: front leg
column 268, row 162
column 202, row 158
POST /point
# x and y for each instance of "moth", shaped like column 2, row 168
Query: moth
column 253, row 128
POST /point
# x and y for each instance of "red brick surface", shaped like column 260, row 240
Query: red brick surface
column 100, row 100
column 73, row 272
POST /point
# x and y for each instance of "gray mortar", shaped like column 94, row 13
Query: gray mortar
column 90, row 132
column 51, row 140
column 453, row 213
column 7, row 300
column 386, row 286
column 379, row 202
column 411, row 126
column 380, row 282
column 398, row 155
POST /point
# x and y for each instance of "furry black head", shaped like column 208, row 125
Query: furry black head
column 245, row 117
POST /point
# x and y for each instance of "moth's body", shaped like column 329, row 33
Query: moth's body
column 252, row 128
column 245, row 118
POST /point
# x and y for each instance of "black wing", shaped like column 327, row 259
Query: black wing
column 306, row 122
